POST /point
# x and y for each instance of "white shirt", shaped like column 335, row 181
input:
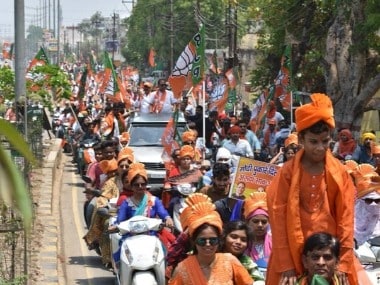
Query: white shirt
column 167, row 104
column 242, row 147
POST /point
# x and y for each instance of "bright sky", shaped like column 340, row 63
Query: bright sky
column 73, row 12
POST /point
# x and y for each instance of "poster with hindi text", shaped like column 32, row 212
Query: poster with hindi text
column 251, row 175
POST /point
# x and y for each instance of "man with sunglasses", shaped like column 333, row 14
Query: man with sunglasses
column 162, row 100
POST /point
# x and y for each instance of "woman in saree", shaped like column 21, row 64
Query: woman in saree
column 205, row 266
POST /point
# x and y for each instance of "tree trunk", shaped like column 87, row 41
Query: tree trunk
column 346, row 84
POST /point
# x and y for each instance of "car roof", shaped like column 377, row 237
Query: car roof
column 156, row 118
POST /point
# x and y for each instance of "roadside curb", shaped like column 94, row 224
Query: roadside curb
column 48, row 256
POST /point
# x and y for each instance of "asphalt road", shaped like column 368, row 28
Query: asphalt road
column 80, row 266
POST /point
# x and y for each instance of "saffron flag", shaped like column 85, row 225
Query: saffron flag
column 190, row 64
column 170, row 138
column 7, row 49
column 152, row 56
column 39, row 59
column 109, row 85
column 259, row 109
column 282, row 81
column 218, row 97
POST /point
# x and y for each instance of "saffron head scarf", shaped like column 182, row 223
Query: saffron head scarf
column 366, row 180
column 346, row 147
column 135, row 169
column 202, row 213
column 108, row 166
column 257, row 200
column 187, row 150
column 320, row 109
column 291, row 139
column 125, row 153
column 190, row 201
column 235, row 130
column 188, row 136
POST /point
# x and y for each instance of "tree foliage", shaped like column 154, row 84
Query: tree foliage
column 153, row 25
column 335, row 49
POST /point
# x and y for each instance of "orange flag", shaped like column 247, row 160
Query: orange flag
column 219, row 94
column 151, row 59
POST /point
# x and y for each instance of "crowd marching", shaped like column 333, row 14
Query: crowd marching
column 301, row 229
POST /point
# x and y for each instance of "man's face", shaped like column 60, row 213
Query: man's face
column 321, row 262
column 221, row 183
column 108, row 153
column 315, row 145
column 243, row 128
column 162, row 85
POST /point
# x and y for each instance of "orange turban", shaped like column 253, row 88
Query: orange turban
column 187, row 150
column 350, row 165
column 125, row 153
column 202, row 213
column 107, row 166
column 257, row 200
column 320, row 109
column 124, row 137
column 135, row 169
column 190, row 201
column 188, row 136
column 291, row 139
column 366, row 180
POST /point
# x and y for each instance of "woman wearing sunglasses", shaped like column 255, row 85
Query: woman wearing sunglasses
column 141, row 202
column 205, row 266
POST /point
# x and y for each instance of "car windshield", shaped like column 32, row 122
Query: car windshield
column 149, row 134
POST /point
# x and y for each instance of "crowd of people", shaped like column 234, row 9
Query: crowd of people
column 301, row 229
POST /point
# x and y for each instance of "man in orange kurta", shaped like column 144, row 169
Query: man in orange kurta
column 300, row 203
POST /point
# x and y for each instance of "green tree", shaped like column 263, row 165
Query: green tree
column 152, row 24
column 335, row 49
column 7, row 83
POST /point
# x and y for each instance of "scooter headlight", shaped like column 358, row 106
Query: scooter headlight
column 138, row 227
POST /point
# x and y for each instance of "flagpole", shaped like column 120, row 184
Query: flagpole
column 291, row 109
column 204, row 117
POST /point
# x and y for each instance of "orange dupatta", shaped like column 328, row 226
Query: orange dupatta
column 159, row 101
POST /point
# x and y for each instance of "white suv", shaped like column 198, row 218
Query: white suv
column 145, row 139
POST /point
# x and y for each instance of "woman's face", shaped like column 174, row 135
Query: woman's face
column 259, row 225
column 185, row 162
column 236, row 242
column 123, row 166
column 138, row 185
column 206, row 242
column 289, row 153
column 240, row 189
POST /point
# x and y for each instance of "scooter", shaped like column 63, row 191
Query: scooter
column 142, row 259
column 369, row 256
column 177, row 204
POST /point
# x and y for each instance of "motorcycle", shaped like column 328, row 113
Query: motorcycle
column 369, row 256
column 86, row 154
column 142, row 259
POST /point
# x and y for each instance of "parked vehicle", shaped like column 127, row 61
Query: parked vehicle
column 145, row 139
column 142, row 259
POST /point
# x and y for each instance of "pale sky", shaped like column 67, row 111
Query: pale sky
column 73, row 12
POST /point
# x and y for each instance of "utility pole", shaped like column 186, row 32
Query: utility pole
column 171, row 36
column 114, row 17
column 58, row 31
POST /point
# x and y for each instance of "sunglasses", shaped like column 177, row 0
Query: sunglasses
column 139, row 185
column 203, row 241
column 189, row 143
column 124, row 166
column 369, row 201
